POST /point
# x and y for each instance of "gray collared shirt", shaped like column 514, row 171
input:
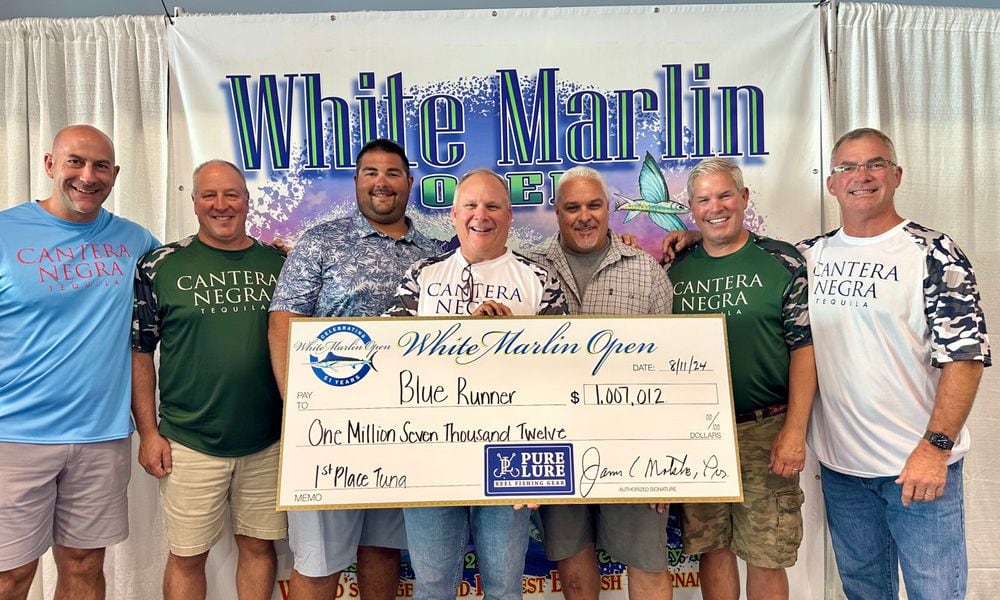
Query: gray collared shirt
column 627, row 282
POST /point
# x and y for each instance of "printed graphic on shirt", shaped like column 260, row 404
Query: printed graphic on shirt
column 766, row 278
column 854, row 277
column 448, row 285
column 194, row 290
column 727, row 294
column 82, row 266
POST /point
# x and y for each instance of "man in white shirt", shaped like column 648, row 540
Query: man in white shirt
column 900, row 343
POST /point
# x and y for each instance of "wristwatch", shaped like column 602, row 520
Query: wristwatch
column 939, row 440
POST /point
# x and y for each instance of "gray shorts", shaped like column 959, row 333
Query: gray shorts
column 324, row 542
column 71, row 495
column 633, row 534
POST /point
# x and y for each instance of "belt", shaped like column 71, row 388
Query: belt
column 761, row 413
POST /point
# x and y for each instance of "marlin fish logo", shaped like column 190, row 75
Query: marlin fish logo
column 655, row 200
column 336, row 362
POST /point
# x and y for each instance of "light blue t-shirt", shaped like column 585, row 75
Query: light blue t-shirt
column 65, row 315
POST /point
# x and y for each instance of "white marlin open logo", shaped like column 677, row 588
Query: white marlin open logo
column 342, row 354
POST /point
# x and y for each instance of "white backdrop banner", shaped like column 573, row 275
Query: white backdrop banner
column 640, row 93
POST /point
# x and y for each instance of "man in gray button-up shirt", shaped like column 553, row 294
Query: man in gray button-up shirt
column 601, row 275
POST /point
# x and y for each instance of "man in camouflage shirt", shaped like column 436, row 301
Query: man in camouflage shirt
column 600, row 275
column 760, row 285
column 349, row 268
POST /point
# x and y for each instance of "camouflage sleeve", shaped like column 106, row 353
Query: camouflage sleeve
column 553, row 300
column 662, row 298
column 407, row 294
column 795, row 296
column 145, row 308
column 301, row 279
column 795, row 305
column 952, row 305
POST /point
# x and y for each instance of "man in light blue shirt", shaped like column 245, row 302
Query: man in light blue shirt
column 66, row 267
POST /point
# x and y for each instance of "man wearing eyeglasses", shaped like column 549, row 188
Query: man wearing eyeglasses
column 602, row 275
column 480, row 278
column 349, row 268
column 900, row 344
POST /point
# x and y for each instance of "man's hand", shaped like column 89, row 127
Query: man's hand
column 659, row 507
column 526, row 506
column 924, row 474
column 154, row 454
column 788, row 453
column 675, row 241
column 280, row 245
column 492, row 308
column 630, row 240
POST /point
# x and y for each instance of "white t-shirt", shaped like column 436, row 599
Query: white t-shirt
column 449, row 285
column 886, row 312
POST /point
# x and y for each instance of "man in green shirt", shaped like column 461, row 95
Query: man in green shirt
column 761, row 286
column 204, row 300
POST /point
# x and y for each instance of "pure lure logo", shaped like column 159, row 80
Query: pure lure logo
column 345, row 355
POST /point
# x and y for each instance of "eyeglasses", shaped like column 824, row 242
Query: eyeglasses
column 469, row 285
column 874, row 165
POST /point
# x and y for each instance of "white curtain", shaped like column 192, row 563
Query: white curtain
column 111, row 73
column 930, row 78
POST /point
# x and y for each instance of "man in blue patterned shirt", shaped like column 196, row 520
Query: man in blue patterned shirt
column 349, row 267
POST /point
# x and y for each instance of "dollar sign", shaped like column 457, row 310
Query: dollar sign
column 574, row 397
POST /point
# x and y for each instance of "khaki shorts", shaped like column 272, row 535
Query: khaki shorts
column 194, row 497
column 766, row 529
column 73, row 495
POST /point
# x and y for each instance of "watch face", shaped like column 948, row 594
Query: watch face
column 940, row 440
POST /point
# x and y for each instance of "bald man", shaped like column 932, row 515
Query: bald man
column 66, row 268
column 482, row 277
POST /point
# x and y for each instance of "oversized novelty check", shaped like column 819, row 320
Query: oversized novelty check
column 429, row 411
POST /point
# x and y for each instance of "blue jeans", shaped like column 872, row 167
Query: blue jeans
column 437, row 538
column 873, row 535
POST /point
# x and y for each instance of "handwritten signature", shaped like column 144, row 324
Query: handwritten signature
column 645, row 468
column 591, row 470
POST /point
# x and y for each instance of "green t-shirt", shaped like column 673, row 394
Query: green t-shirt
column 762, row 288
column 208, row 310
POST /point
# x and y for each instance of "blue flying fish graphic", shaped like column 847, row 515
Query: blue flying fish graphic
column 655, row 200
column 334, row 362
